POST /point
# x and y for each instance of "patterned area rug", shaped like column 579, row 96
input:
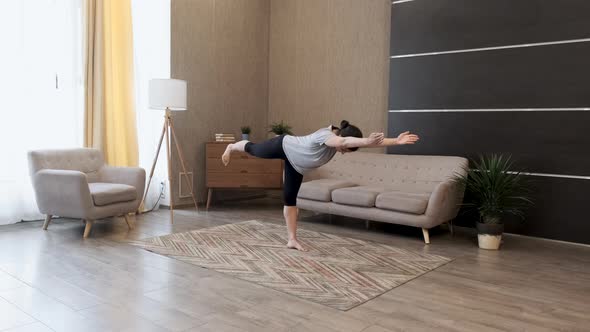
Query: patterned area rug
column 338, row 272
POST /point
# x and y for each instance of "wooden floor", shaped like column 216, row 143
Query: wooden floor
column 56, row 281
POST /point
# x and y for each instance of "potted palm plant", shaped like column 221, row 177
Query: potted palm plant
column 245, row 132
column 280, row 128
column 493, row 190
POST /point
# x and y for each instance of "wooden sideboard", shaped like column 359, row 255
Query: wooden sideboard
column 244, row 171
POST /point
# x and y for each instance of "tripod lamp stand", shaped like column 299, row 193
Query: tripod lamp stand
column 169, row 95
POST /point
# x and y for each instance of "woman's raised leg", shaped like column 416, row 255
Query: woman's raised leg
column 238, row 147
column 269, row 149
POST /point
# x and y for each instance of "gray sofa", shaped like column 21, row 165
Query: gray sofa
column 76, row 183
column 400, row 189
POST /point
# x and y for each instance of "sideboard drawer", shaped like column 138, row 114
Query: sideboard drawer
column 244, row 180
column 242, row 165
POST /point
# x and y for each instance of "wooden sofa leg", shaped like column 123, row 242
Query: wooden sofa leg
column 47, row 221
column 128, row 221
column 367, row 224
column 451, row 229
column 88, row 228
column 426, row 235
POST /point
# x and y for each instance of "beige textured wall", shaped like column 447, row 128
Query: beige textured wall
column 221, row 48
column 307, row 62
column 329, row 60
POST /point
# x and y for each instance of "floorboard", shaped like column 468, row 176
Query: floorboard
column 56, row 281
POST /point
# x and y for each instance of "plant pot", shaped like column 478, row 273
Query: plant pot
column 489, row 236
column 245, row 137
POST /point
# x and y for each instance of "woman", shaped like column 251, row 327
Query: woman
column 304, row 153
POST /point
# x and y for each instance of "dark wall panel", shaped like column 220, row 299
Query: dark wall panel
column 546, row 76
column 559, row 211
column 441, row 25
column 541, row 142
column 492, row 83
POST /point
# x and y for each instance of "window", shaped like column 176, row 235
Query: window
column 41, row 92
column 151, row 46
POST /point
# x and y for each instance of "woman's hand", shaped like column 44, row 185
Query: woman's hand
column 375, row 139
column 407, row 138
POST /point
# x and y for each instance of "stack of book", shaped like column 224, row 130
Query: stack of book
column 225, row 138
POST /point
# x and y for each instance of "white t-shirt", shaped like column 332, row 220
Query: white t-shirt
column 308, row 152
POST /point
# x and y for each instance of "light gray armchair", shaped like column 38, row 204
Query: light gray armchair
column 76, row 183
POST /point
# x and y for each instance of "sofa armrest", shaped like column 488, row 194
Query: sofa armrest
column 63, row 193
column 445, row 201
column 132, row 176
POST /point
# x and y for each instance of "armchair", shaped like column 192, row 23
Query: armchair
column 75, row 183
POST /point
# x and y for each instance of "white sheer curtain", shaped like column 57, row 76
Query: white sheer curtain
column 40, row 92
column 151, row 43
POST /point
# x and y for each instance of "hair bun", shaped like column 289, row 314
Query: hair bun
column 344, row 124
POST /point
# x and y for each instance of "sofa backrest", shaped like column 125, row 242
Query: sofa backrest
column 395, row 172
column 85, row 160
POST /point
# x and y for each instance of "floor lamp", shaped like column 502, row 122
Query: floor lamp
column 168, row 95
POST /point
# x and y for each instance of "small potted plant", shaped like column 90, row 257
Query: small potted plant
column 280, row 128
column 493, row 190
column 246, row 133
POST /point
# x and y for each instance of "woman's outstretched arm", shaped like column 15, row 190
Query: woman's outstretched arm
column 402, row 139
column 374, row 140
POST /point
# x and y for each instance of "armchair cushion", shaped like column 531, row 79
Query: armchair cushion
column 109, row 193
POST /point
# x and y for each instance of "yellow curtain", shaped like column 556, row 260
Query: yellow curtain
column 110, row 108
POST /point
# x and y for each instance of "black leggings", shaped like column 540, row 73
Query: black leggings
column 273, row 149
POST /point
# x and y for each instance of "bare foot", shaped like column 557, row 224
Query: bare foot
column 226, row 156
column 294, row 244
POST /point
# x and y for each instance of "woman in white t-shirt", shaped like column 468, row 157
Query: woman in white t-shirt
column 304, row 153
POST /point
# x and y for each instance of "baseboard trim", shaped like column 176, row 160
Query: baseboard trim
column 532, row 237
column 550, row 240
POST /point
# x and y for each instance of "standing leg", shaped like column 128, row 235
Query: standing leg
column 290, row 213
column 291, row 187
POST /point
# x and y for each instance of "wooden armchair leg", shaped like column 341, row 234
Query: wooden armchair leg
column 128, row 221
column 47, row 221
column 88, row 228
column 426, row 235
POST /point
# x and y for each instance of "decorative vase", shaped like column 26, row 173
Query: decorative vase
column 489, row 235
column 245, row 137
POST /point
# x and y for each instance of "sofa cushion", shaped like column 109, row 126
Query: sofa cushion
column 321, row 190
column 403, row 202
column 357, row 196
column 110, row 193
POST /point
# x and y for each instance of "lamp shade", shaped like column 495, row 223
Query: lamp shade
column 167, row 93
